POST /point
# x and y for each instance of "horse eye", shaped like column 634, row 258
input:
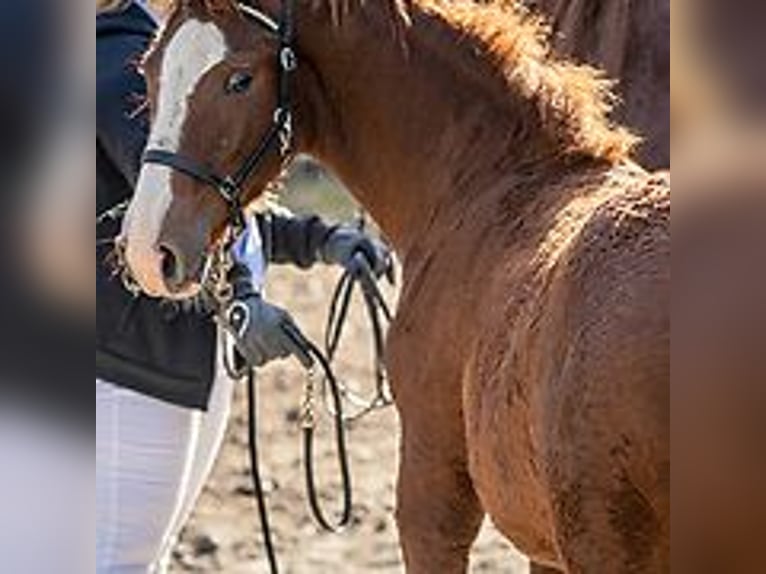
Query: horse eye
column 238, row 83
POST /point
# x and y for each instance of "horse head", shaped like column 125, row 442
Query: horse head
column 218, row 93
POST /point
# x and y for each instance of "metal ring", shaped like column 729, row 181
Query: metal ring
column 228, row 189
column 238, row 318
column 282, row 116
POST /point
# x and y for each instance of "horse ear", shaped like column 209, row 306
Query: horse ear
column 211, row 6
column 220, row 6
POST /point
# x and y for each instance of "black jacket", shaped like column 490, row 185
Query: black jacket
column 143, row 344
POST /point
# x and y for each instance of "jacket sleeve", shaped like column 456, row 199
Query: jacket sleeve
column 122, row 131
column 293, row 240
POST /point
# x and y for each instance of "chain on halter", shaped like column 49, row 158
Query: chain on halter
column 280, row 135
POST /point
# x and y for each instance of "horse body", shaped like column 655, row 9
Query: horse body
column 512, row 371
column 568, row 382
column 529, row 356
column 509, row 358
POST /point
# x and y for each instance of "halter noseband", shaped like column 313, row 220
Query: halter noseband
column 230, row 187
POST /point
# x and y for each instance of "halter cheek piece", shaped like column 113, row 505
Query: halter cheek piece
column 231, row 187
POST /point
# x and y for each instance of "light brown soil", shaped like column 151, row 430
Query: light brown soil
column 224, row 534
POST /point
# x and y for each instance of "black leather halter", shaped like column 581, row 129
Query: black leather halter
column 231, row 187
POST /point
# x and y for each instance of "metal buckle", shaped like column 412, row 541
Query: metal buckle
column 287, row 59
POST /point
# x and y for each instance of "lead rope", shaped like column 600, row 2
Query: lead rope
column 377, row 311
column 260, row 495
column 308, row 422
column 309, row 425
column 322, row 363
column 112, row 214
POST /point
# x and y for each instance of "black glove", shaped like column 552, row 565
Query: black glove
column 344, row 242
column 262, row 332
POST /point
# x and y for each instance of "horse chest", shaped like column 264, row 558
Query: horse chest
column 501, row 406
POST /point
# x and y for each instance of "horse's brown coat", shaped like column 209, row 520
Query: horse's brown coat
column 529, row 358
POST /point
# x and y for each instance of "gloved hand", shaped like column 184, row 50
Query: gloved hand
column 343, row 244
column 262, row 332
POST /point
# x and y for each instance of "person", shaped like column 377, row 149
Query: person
column 162, row 393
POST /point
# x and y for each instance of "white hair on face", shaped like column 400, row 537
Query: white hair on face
column 195, row 49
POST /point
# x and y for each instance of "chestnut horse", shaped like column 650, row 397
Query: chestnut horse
column 530, row 354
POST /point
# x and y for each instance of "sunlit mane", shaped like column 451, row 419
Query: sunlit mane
column 574, row 101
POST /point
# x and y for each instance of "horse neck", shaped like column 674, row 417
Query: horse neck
column 410, row 125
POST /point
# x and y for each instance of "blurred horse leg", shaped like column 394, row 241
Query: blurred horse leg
column 438, row 513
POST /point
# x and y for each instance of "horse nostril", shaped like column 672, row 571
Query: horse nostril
column 172, row 267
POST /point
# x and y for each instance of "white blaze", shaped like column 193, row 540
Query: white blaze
column 193, row 51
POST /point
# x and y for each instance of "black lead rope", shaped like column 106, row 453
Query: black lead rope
column 308, row 453
column 260, row 495
column 317, row 360
column 377, row 310
column 312, row 491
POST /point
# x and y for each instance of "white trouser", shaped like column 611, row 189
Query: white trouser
column 152, row 460
column 46, row 494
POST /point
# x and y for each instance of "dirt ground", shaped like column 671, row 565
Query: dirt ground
column 224, row 534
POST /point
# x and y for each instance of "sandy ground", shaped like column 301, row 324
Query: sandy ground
column 224, row 534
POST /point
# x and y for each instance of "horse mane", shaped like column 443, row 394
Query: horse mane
column 574, row 101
